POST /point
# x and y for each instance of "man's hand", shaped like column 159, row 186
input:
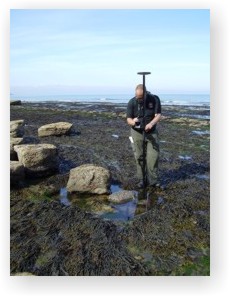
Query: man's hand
column 148, row 127
column 131, row 121
column 135, row 120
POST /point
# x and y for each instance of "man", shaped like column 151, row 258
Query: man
column 135, row 119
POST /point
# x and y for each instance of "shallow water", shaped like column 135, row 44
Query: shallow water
column 122, row 212
column 198, row 132
column 102, row 207
column 202, row 176
column 185, row 157
column 194, row 116
column 64, row 197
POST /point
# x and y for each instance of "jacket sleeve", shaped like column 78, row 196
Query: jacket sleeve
column 129, row 112
column 157, row 105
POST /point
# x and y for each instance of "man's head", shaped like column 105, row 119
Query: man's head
column 139, row 91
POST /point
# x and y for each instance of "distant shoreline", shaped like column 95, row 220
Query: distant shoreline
column 72, row 104
column 166, row 99
column 191, row 111
column 192, row 104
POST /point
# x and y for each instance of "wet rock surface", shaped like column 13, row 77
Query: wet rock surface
column 170, row 238
column 122, row 196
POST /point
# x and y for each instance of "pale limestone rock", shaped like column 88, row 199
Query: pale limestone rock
column 17, row 128
column 55, row 129
column 17, row 172
column 89, row 178
column 38, row 159
column 122, row 196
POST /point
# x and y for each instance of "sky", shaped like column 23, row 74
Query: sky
column 76, row 51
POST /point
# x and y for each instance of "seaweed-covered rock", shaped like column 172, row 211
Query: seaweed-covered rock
column 55, row 129
column 38, row 158
column 170, row 238
column 48, row 239
column 89, row 178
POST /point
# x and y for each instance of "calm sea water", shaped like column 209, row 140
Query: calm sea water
column 166, row 99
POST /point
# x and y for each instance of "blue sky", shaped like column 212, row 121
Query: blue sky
column 101, row 51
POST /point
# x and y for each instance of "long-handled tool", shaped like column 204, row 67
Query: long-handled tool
column 144, row 143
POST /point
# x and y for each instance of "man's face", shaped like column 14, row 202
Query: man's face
column 139, row 93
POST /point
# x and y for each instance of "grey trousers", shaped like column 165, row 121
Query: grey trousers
column 152, row 154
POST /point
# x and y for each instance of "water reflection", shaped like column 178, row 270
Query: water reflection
column 185, row 157
column 199, row 132
column 64, row 197
column 102, row 207
column 122, row 212
column 115, row 188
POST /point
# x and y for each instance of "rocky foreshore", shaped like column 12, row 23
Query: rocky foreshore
column 167, row 235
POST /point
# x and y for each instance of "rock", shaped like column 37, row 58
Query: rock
column 20, row 140
column 14, row 141
column 17, row 172
column 56, row 129
column 38, row 159
column 122, row 196
column 17, row 128
column 15, row 102
column 23, row 274
column 89, row 178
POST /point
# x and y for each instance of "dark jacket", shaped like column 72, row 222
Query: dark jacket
column 135, row 109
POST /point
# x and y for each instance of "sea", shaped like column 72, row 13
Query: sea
column 166, row 99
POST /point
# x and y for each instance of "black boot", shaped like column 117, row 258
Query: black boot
column 157, row 186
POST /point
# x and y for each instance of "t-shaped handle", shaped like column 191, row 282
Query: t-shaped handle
column 143, row 73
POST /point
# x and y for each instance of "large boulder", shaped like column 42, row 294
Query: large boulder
column 15, row 141
column 55, row 129
column 17, row 172
column 17, row 128
column 89, row 178
column 38, row 159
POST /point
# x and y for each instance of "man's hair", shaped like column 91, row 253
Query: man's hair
column 140, row 87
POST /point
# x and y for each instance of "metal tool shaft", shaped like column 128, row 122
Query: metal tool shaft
column 144, row 144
